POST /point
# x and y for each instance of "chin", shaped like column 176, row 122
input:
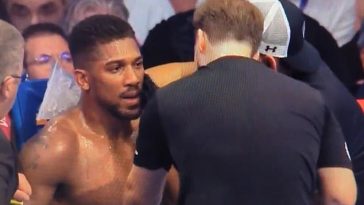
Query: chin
column 130, row 114
column 123, row 112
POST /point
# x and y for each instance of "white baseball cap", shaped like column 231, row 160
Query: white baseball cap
column 276, row 33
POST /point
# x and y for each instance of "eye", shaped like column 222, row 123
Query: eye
column 43, row 59
column 66, row 56
column 139, row 64
column 115, row 68
column 19, row 10
column 48, row 9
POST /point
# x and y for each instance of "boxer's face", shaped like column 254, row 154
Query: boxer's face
column 24, row 13
column 117, row 77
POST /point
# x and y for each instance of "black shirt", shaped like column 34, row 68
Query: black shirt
column 8, row 171
column 240, row 133
column 347, row 112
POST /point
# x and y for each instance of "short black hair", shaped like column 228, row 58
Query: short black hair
column 43, row 28
column 93, row 31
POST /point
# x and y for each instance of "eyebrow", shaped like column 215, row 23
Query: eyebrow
column 47, row 4
column 17, row 5
column 123, row 61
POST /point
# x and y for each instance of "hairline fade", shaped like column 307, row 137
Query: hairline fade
column 93, row 31
column 236, row 20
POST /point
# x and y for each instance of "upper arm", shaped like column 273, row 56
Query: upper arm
column 162, row 75
column 337, row 182
column 44, row 161
column 144, row 186
column 337, row 186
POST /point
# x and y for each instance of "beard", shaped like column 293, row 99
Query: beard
column 127, row 113
column 132, row 112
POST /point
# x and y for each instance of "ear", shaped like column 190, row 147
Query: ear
column 82, row 79
column 269, row 61
column 201, row 40
column 5, row 89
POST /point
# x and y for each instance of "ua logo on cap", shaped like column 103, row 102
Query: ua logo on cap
column 272, row 49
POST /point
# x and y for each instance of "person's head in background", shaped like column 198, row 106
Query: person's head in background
column 183, row 5
column 45, row 44
column 237, row 31
column 287, row 51
column 11, row 65
column 81, row 9
column 23, row 13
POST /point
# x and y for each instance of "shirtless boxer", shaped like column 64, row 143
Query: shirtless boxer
column 84, row 155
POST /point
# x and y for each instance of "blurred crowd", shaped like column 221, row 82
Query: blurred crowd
column 336, row 35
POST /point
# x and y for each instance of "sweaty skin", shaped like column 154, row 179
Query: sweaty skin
column 67, row 163
column 82, row 170
column 84, row 155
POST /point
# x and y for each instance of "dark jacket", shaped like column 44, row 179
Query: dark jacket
column 8, row 171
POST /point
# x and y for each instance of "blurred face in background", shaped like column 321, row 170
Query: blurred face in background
column 23, row 13
column 42, row 51
column 183, row 5
column 82, row 9
column 91, row 10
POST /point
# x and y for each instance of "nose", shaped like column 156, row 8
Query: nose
column 68, row 67
column 34, row 19
column 131, row 76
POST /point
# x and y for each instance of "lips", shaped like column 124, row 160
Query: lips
column 131, row 101
column 131, row 94
column 131, row 97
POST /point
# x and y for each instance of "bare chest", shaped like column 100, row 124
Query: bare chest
column 99, row 173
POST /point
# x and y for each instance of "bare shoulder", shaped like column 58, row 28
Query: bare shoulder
column 53, row 148
column 167, row 73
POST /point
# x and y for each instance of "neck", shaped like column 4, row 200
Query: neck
column 227, row 48
column 100, row 121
